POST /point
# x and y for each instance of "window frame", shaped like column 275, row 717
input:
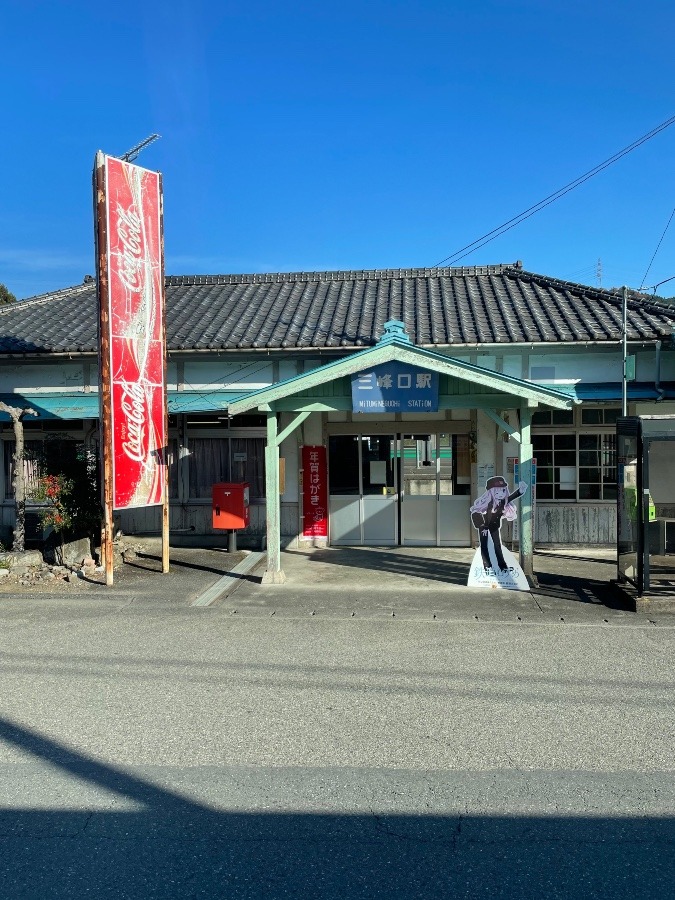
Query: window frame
column 606, row 461
column 227, row 435
column 33, row 433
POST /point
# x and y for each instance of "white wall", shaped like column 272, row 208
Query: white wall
column 289, row 452
column 257, row 373
column 572, row 368
column 512, row 365
column 46, row 379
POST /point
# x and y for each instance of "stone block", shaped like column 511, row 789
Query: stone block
column 24, row 560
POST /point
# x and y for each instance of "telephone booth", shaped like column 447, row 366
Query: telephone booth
column 645, row 449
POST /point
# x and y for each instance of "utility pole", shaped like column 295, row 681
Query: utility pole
column 624, row 387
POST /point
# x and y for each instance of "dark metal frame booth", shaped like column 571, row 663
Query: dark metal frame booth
column 646, row 503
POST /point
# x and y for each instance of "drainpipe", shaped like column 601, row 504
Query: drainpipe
column 660, row 392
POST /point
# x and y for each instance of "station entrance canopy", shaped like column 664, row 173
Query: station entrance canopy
column 335, row 387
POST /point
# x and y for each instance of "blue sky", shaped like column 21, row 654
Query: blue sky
column 304, row 136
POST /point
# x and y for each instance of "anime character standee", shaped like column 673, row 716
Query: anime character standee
column 487, row 513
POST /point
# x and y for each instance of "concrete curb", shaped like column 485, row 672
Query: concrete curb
column 227, row 583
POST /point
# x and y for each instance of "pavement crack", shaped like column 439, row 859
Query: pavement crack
column 86, row 824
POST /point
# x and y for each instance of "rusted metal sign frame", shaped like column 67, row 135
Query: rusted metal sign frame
column 162, row 282
column 105, row 373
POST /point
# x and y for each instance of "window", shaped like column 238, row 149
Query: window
column 575, row 466
column 343, row 471
column 599, row 415
column 576, row 463
column 32, row 460
column 173, row 469
column 235, row 459
column 553, row 417
column 556, row 466
column 39, row 458
column 597, row 467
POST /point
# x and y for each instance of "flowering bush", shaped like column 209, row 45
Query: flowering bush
column 65, row 480
column 55, row 491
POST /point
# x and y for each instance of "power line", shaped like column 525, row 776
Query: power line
column 665, row 281
column 242, row 373
column 577, row 274
column 521, row 217
column 644, row 277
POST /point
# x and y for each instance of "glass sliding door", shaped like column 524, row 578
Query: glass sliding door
column 362, row 489
column 344, row 493
column 419, row 489
column 434, row 496
column 454, row 488
column 379, row 496
column 386, row 489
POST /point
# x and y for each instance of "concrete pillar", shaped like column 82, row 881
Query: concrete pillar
column 274, row 573
column 525, row 506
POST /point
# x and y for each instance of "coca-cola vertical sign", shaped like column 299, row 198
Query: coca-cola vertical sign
column 132, row 337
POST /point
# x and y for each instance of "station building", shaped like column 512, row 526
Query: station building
column 312, row 388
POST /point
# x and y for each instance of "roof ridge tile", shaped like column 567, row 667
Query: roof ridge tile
column 342, row 275
column 495, row 305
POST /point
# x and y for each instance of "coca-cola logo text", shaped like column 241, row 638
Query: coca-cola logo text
column 133, row 407
column 130, row 235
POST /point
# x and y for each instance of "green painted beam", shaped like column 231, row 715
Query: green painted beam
column 298, row 404
column 502, row 424
column 447, row 401
column 415, row 356
column 290, row 428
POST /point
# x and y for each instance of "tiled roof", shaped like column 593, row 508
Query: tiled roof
column 460, row 306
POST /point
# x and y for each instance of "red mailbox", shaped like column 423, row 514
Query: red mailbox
column 230, row 506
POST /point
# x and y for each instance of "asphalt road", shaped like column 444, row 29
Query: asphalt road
column 158, row 750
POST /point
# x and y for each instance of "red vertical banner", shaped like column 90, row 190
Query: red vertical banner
column 314, row 492
column 133, row 369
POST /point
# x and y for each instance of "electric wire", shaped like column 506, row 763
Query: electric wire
column 205, row 394
column 547, row 201
column 644, row 277
column 581, row 273
column 653, row 287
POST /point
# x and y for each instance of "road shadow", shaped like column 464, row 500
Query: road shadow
column 572, row 588
column 565, row 584
column 150, row 562
column 168, row 846
column 587, row 579
column 392, row 563
column 610, row 562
